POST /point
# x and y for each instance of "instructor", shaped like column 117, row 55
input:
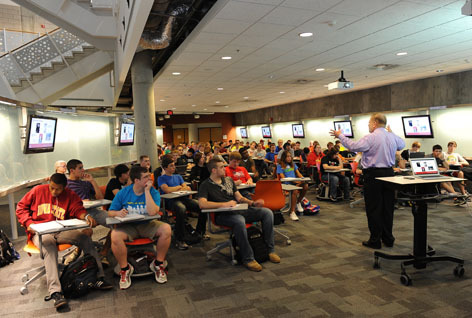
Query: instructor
column 378, row 158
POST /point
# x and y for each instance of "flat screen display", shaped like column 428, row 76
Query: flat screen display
column 126, row 134
column 298, row 131
column 243, row 132
column 417, row 126
column 266, row 133
column 345, row 126
column 40, row 134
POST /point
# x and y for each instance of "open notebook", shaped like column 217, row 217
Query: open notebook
column 57, row 225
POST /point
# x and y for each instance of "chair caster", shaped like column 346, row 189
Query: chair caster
column 405, row 279
column 289, row 242
column 24, row 278
column 234, row 262
column 376, row 263
column 23, row 290
column 459, row 271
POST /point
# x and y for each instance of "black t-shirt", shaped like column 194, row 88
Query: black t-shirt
column 181, row 161
column 248, row 164
column 213, row 192
column 329, row 162
column 298, row 152
column 440, row 163
column 405, row 154
column 199, row 173
column 113, row 184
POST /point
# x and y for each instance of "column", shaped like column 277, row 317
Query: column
column 192, row 133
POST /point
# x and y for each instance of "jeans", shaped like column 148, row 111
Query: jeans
column 334, row 179
column 237, row 221
column 179, row 207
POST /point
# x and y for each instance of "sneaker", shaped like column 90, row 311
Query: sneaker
column 205, row 237
column 160, row 272
column 59, row 300
column 72, row 256
column 102, row 284
column 125, row 277
column 293, row 216
column 253, row 266
column 299, row 207
column 181, row 245
column 274, row 258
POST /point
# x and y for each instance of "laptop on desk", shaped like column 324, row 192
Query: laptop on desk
column 425, row 168
column 414, row 155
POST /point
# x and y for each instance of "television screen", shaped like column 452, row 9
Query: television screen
column 417, row 126
column 345, row 126
column 243, row 132
column 40, row 134
column 266, row 132
column 297, row 130
column 126, row 134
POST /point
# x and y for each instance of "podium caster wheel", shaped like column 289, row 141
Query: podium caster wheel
column 23, row 290
column 405, row 279
column 289, row 242
column 376, row 263
column 24, row 278
column 459, row 271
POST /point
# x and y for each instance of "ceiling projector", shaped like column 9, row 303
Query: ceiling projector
column 341, row 83
column 467, row 8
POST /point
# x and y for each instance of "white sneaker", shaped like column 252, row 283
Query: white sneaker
column 299, row 207
column 125, row 277
column 293, row 216
column 159, row 272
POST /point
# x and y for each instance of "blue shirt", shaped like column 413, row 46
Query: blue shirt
column 127, row 199
column 171, row 181
column 270, row 156
column 288, row 171
column 378, row 148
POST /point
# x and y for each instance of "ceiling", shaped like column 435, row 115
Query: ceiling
column 269, row 56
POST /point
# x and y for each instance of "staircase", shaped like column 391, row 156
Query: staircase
column 52, row 65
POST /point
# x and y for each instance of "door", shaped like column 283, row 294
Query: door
column 204, row 134
column 216, row 134
column 180, row 135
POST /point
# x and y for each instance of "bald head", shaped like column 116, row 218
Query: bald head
column 377, row 120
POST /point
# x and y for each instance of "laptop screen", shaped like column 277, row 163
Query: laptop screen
column 424, row 166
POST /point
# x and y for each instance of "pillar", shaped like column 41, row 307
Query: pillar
column 144, row 107
column 192, row 133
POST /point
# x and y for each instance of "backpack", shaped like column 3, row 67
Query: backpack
column 8, row 253
column 258, row 245
column 140, row 260
column 190, row 235
column 308, row 208
column 79, row 276
column 278, row 218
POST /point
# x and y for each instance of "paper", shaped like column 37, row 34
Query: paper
column 72, row 222
column 46, row 226
column 130, row 217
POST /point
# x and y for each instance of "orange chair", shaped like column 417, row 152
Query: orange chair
column 354, row 166
column 103, row 189
column 138, row 244
column 31, row 249
column 274, row 199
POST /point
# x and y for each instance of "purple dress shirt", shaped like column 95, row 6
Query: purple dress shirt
column 378, row 148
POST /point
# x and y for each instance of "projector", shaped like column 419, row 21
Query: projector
column 341, row 84
column 467, row 8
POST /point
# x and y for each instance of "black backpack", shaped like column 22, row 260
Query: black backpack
column 258, row 245
column 191, row 236
column 140, row 260
column 8, row 254
column 79, row 277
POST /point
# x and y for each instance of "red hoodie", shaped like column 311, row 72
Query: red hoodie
column 39, row 206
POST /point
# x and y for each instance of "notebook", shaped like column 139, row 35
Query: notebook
column 425, row 168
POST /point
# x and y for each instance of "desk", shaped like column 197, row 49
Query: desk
column 95, row 203
column 246, row 186
column 289, row 188
column 114, row 221
column 324, row 188
column 421, row 255
column 174, row 195
column 304, row 179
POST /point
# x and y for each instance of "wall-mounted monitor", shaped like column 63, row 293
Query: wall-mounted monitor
column 346, row 128
column 126, row 134
column 266, row 133
column 298, row 131
column 40, row 134
column 417, row 126
column 243, row 132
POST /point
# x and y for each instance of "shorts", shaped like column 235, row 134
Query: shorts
column 99, row 215
column 141, row 230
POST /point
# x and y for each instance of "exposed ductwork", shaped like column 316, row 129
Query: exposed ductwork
column 151, row 40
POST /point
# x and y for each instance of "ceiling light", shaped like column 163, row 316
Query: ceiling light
column 217, row 102
column 174, row 108
column 161, row 118
column 282, row 92
column 220, row 88
column 226, row 106
column 162, row 100
column 205, row 109
column 194, row 105
column 402, row 53
column 305, row 34
column 226, row 57
column 245, row 97
column 167, row 116
column 175, row 73
column 196, row 116
column 320, row 69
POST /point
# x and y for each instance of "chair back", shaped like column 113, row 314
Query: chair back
column 30, row 248
column 271, row 192
column 354, row 166
column 318, row 167
column 103, row 189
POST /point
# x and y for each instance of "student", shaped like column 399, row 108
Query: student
column 142, row 197
column 117, row 183
column 145, row 162
column 216, row 153
column 238, row 174
column 297, row 151
column 415, row 147
column 329, row 146
column 60, row 166
column 170, row 182
column 279, row 147
column 259, row 156
column 220, row 191
column 200, row 171
column 49, row 202
column 287, row 147
column 248, row 163
column 452, row 157
column 252, row 149
column 270, row 155
column 288, row 169
column 332, row 162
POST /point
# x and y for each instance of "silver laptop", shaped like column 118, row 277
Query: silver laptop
column 425, row 168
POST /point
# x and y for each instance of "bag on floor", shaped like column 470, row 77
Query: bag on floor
column 140, row 260
column 79, row 277
column 8, row 253
column 258, row 245
column 308, row 208
column 278, row 218
column 191, row 236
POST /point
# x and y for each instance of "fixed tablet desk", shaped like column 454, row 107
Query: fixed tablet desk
column 418, row 195
column 174, row 195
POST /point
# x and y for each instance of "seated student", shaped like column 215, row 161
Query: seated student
column 270, row 155
column 220, row 191
column 217, row 153
column 248, row 163
column 199, row 172
column 188, row 158
column 145, row 162
column 329, row 146
column 331, row 162
column 60, row 166
column 139, row 196
column 50, row 202
column 179, row 161
column 287, row 147
column 454, row 159
column 117, row 183
column 252, row 149
column 297, row 150
column 170, row 182
column 259, row 156
column 279, row 147
column 238, row 174
column 415, row 147
column 286, row 168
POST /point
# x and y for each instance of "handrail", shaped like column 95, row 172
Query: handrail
column 27, row 43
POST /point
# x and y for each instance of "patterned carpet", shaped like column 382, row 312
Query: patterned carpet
column 324, row 273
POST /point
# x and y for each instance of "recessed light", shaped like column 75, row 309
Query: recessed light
column 194, row 105
column 217, row 102
column 245, row 97
column 220, row 88
column 205, row 109
column 226, row 106
column 175, row 73
column 305, row 34
column 174, row 108
column 162, row 100
column 402, row 53
column 282, row 92
column 320, row 69
column 226, row 57
column 325, row 85
column 439, row 71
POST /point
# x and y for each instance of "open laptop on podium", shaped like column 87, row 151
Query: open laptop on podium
column 425, row 168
